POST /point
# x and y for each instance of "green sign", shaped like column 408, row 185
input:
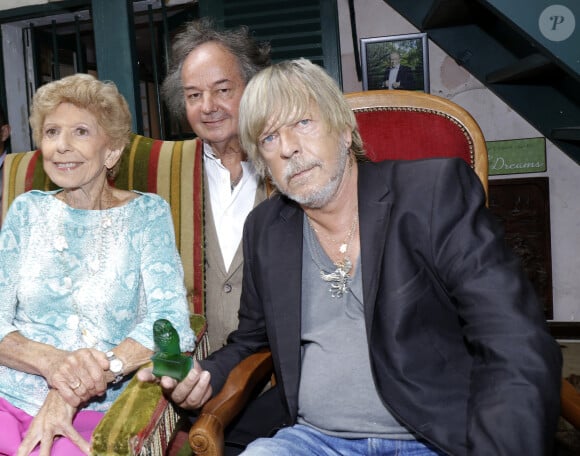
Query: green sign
column 517, row 156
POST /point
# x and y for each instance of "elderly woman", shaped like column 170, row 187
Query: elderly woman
column 85, row 271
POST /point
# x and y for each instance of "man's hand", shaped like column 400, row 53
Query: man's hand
column 54, row 419
column 191, row 393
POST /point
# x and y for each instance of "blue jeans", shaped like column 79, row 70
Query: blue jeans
column 300, row 440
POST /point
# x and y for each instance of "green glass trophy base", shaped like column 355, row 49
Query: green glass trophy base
column 174, row 366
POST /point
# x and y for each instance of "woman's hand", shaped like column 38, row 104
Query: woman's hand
column 78, row 375
column 54, row 419
column 191, row 393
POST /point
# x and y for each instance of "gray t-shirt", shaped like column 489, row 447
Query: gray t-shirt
column 337, row 394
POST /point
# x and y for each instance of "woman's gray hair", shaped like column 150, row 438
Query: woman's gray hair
column 101, row 98
column 252, row 56
column 282, row 94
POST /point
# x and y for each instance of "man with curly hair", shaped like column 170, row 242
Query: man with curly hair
column 208, row 73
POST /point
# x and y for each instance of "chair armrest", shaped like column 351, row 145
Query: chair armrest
column 570, row 403
column 141, row 421
column 206, row 435
column 140, row 408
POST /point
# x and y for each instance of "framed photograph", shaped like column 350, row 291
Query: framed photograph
column 395, row 62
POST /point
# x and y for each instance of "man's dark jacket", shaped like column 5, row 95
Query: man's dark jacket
column 459, row 347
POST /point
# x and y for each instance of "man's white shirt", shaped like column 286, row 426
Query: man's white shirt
column 229, row 208
column 393, row 72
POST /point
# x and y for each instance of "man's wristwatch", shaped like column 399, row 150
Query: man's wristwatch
column 115, row 366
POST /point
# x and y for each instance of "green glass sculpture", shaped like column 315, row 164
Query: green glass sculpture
column 169, row 360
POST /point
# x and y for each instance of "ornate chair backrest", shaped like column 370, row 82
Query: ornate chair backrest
column 408, row 125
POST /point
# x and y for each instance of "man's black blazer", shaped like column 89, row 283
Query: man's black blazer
column 459, row 347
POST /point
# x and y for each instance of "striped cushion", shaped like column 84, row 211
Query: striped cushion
column 173, row 170
column 22, row 172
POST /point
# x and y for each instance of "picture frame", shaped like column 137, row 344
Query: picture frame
column 413, row 56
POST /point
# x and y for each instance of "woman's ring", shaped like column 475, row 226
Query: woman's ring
column 76, row 385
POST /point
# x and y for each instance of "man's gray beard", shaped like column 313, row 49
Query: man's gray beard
column 319, row 198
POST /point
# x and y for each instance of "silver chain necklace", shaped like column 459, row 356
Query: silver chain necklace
column 339, row 278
